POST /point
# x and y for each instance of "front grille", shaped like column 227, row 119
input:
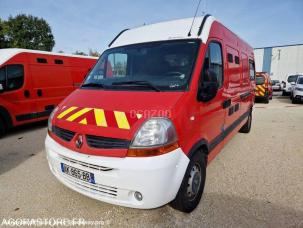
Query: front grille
column 85, row 165
column 66, row 135
column 98, row 189
column 106, row 143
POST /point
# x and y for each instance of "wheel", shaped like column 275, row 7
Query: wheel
column 283, row 93
column 2, row 127
column 293, row 100
column 247, row 126
column 266, row 100
column 191, row 189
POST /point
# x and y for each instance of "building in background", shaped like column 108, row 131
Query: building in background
column 280, row 61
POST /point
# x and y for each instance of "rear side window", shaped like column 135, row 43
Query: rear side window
column 229, row 58
column 15, row 77
column 252, row 72
column 213, row 62
column 2, row 77
column 41, row 60
column 58, row 61
column 237, row 60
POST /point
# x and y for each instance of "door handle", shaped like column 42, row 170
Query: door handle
column 226, row 103
column 39, row 92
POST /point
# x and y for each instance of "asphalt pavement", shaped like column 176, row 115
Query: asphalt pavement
column 256, row 180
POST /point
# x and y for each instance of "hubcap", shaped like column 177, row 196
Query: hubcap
column 194, row 182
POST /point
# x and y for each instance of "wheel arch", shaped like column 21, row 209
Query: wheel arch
column 6, row 117
column 201, row 144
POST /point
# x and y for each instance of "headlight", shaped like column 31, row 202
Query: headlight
column 50, row 119
column 156, row 136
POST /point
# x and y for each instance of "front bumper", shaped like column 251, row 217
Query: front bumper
column 157, row 178
column 298, row 95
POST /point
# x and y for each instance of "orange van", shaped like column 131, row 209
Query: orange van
column 263, row 89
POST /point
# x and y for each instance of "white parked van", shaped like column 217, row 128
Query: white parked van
column 288, row 85
column 297, row 90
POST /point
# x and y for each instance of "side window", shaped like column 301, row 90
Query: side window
column 237, row 60
column 229, row 58
column 214, row 58
column 15, row 77
column 116, row 65
column 2, row 77
column 252, row 73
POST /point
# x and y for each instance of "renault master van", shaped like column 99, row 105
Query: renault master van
column 142, row 134
column 33, row 82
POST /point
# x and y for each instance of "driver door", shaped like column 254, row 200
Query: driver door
column 212, row 114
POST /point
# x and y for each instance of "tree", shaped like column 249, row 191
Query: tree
column 27, row 31
column 93, row 53
column 80, row 53
column 3, row 43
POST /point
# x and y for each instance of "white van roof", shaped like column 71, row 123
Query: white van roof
column 168, row 30
column 8, row 53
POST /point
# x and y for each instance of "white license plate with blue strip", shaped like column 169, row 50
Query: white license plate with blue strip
column 78, row 173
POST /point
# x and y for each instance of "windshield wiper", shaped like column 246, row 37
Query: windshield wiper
column 91, row 84
column 140, row 83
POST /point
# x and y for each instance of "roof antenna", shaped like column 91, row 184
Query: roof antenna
column 189, row 33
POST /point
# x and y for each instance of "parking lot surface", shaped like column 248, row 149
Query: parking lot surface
column 256, row 180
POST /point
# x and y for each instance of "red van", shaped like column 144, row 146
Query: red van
column 143, row 135
column 33, row 83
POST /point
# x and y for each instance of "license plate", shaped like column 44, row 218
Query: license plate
column 78, row 173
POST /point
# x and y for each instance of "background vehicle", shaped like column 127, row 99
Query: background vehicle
column 288, row 87
column 263, row 89
column 162, row 114
column 33, row 82
column 276, row 85
column 297, row 91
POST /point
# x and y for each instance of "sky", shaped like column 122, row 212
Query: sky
column 92, row 24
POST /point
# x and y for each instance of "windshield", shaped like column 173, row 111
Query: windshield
column 161, row 66
column 292, row 78
column 275, row 82
column 300, row 80
column 260, row 80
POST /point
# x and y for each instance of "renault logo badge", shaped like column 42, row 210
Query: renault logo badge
column 79, row 141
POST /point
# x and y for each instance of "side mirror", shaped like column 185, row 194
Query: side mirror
column 1, row 88
column 208, row 88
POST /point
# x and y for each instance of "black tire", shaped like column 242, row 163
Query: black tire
column 266, row 100
column 283, row 93
column 293, row 100
column 189, row 195
column 2, row 127
column 247, row 126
